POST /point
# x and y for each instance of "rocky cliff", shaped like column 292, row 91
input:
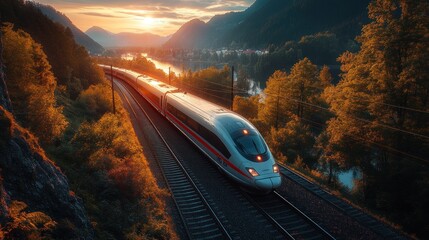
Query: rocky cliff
column 35, row 198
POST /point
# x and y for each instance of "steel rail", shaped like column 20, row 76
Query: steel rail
column 200, row 220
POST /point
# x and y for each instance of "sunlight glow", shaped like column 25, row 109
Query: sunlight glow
column 148, row 22
column 138, row 17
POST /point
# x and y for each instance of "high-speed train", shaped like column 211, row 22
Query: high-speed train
column 228, row 139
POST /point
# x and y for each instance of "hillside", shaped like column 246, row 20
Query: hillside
column 70, row 61
column 109, row 40
column 190, row 35
column 275, row 22
column 197, row 34
column 80, row 37
column 35, row 198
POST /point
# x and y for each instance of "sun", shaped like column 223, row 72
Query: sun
column 148, row 22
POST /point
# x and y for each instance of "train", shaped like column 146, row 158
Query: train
column 230, row 141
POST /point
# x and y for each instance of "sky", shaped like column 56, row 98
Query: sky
column 162, row 17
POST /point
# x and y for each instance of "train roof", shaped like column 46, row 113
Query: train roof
column 159, row 85
column 201, row 106
column 204, row 108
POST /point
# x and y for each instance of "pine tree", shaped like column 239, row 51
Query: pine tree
column 303, row 86
column 325, row 76
column 387, row 78
column 381, row 106
column 272, row 111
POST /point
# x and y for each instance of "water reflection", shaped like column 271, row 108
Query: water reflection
column 348, row 178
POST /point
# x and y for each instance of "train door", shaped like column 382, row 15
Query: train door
column 164, row 103
column 161, row 105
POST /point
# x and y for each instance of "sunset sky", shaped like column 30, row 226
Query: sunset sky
column 162, row 17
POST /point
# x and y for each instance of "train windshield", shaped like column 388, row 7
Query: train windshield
column 250, row 144
column 247, row 140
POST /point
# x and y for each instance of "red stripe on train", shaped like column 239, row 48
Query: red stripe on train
column 202, row 141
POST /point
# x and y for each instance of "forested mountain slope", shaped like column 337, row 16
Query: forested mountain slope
column 70, row 62
column 80, row 37
column 35, row 198
column 275, row 22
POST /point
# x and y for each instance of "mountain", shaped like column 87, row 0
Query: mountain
column 70, row 62
column 190, row 35
column 275, row 22
column 80, row 37
column 282, row 20
column 108, row 39
column 104, row 37
column 197, row 34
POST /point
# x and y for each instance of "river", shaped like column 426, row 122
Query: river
column 254, row 87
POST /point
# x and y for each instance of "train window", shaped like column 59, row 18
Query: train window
column 214, row 141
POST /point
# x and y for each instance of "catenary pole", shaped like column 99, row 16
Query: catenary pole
column 113, row 92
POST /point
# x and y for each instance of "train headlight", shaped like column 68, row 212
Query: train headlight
column 275, row 168
column 252, row 172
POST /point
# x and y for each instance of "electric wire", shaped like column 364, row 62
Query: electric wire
column 357, row 118
column 364, row 141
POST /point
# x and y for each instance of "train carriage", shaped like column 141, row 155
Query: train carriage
column 229, row 140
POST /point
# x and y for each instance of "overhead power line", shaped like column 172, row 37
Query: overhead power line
column 356, row 118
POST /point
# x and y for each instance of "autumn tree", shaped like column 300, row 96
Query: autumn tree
column 291, row 141
column 126, row 186
column 96, row 100
column 273, row 109
column 247, row 107
column 31, row 85
column 211, row 84
column 325, row 76
column 304, row 86
column 384, row 88
column 70, row 62
column 27, row 225
column 381, row 104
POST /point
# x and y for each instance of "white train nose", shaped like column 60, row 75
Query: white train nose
column 276, row 181
column 268, row 183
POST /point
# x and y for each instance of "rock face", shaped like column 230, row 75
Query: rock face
column 28, row 176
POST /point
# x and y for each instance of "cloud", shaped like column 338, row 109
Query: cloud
column 194, row 4
column 154, row 14
column 97, row 14
column 118, row 15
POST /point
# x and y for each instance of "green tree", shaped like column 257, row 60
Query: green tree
column 242, row 84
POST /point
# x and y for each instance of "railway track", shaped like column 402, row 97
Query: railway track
column 200, row 221
column 358, row 215
column 293, row 223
